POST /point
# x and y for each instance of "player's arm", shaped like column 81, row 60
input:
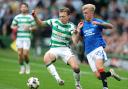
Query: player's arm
column 14, row 27
column 76, row 34
column 38, row 21
column 104, row 24
column 14, row 24
column 32, row 28
column 76, row 37
column 33, row 25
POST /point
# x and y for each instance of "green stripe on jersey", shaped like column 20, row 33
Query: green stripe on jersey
column 26, row 22
column 24, row 17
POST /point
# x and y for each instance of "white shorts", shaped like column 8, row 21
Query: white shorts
column 63, row 52
column 98, row 53
column 23, row 43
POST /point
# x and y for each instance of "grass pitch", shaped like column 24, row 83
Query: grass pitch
column 11, row 79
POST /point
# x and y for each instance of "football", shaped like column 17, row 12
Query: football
column 33, row 83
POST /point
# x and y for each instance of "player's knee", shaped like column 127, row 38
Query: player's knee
column 47, row 60
column 97, row 74
column 20, row 55
column 75, row 67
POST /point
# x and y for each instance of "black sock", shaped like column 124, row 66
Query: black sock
column 108, row 74
column 48, row 64
column 27, row 61
column 104, row 79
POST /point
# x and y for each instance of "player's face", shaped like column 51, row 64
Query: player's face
column 23, row 8
column 64, row 17
column 88, row 14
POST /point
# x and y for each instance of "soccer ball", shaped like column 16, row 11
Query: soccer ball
column 33, row 83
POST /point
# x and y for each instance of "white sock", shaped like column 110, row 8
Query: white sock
column 27, row 66
column 22, row 67
column 51, row 68
column 77, row 78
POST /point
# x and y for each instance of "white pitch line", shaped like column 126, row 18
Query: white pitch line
column 59, row 68
column 124, row 78
column 41, row 65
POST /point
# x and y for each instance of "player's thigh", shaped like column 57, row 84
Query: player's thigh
column 100, row 57
column 20, row 51
column 91, row 62
column 25, row 52
column 99, row 63
column 49, row 57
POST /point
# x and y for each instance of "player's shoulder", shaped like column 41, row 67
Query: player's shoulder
column 18, row 15
column 72, row 24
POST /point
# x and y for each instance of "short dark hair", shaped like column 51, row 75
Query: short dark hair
column 65, row 9
column 24, row 4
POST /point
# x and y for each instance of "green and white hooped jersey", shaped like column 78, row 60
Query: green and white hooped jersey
column 61, row 33
column 21, row 21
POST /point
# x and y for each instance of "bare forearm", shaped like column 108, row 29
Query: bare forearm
column 76, row 38
column 38, row 21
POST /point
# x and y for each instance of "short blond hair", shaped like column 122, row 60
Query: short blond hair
column 91, row 7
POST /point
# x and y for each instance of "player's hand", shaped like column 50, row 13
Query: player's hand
column 33, row 13
column 79, row 26
column 75, row 31
column 96, row 23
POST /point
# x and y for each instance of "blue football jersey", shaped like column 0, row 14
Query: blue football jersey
column 92, row 35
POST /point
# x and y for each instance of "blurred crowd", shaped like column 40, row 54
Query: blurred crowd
column 113, row 11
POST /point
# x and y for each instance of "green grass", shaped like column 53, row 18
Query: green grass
column 10, row 79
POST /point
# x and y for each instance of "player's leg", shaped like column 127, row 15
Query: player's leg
column 74, row 65
column 26, row 47
column 100, row 57
column 96, row 63
column 19, row 45
column 26, row 59
column 92, row 65
column 21, row 61
column 49, row 58
column 69, row 58
column 111, row 72
column 103, row 74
